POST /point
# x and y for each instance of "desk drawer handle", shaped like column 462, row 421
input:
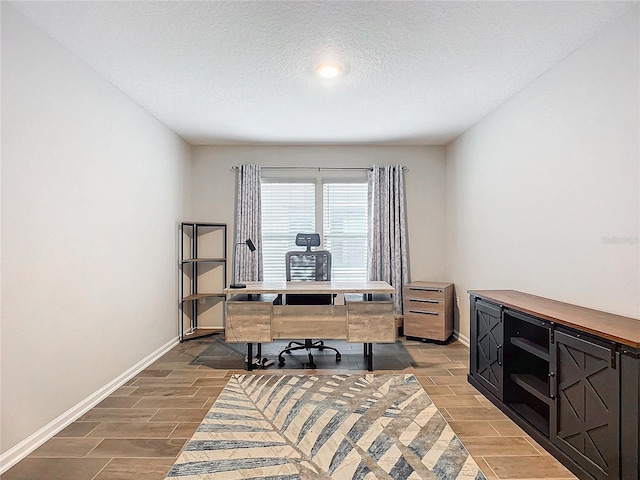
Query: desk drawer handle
column 424, row 312
column 423, row 300
column 426, row 289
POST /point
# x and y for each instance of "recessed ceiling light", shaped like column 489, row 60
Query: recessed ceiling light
column 328, row 71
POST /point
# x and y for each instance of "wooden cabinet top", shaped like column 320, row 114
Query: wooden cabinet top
column 428, row 284
column 624, row 330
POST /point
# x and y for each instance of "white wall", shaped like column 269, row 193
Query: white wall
column 537, row 191
column 92, row 190
column 214, row 184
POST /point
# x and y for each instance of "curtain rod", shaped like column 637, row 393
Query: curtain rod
column 235, row 167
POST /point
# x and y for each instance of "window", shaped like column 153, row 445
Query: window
column 340, row 207
column 344, row 229
column 287, row 209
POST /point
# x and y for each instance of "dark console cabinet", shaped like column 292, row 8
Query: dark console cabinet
column 567, row 375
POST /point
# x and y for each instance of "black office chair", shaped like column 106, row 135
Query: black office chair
column 308, row 265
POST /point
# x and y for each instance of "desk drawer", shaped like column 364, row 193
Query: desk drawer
column 370, row 322
column 248, row 322
column 310, row 321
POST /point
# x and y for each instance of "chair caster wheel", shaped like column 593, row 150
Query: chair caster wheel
column 266, row 362
column 338, row 357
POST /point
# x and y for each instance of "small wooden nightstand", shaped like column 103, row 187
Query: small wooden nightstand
column 428, row 310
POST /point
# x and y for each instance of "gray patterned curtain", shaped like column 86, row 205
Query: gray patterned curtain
column 248, row 266
column 387, row 232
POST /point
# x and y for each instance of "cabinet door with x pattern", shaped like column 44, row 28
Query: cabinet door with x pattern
column 487, row 333
column 585, row 419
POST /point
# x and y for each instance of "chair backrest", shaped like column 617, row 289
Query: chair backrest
column 308, row 240
column 308, row 266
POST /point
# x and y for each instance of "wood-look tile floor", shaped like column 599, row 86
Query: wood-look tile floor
column 139, row 430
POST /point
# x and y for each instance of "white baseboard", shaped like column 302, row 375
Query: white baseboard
column 29, row 444
column 462, row 338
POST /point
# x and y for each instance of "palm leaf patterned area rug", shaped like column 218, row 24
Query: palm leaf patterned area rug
column 286, row 427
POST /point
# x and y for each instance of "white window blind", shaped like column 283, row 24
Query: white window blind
column 287, row 209
column 345, row 229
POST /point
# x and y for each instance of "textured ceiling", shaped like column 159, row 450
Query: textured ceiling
column 244, row 72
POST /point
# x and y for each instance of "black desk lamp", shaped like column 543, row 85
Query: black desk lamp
column 252, row 247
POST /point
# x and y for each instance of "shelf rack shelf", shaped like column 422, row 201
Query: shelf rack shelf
column 204, row 260
column 203, row 277
column 531, row 347
column 540, row 422
column 534, row 385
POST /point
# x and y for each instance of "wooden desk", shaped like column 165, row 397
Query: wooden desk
column 336, row 287
column 363, row 312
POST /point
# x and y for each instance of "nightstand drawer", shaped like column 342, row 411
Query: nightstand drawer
column 423, row 304
column 425, row 293
column 424, row 325
column 421, row 316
